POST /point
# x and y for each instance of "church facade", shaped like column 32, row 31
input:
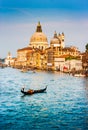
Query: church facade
column 42, row 55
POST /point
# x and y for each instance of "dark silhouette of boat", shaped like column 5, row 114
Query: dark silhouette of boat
column 31, row 91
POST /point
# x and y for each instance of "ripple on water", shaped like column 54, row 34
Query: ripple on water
column 63, row 106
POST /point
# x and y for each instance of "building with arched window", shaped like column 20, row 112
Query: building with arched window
column 39, row 54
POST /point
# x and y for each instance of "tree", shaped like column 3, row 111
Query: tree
column 87, row 47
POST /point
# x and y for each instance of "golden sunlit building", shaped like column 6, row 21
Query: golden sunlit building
column 31, row 56
column 23, row 56
column 57, row 52
column 40, row 55
column 8, row 59
column 57, row 41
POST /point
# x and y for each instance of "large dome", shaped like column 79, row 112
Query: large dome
column 39, row 39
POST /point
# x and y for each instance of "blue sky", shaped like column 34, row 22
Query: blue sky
column 18, row 20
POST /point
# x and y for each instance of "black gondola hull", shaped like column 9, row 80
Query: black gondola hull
column 33, row 91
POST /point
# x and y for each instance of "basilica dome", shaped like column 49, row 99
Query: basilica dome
column 55, row 40
column 39, row 39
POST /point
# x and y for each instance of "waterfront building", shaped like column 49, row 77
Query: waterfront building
column 23, row 57
column 8, row 59
column 57, row 53
column 53, row 52
column 39, row 54
column 31, row 56
column 85, row 60
column 73, row 64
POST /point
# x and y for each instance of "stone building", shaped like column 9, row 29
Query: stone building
column 31, row 56
column 23, row 57
column 8, row 59
column 85, row 61
column 39, row 54
column 57, row 52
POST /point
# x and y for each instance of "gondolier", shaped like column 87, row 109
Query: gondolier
column 31, row 91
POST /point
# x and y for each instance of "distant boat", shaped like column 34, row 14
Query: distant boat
column 79, row 75
column 34, row 71
column 23, row 70
column 31, row 91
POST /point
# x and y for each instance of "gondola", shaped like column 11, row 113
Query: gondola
column 31, row 91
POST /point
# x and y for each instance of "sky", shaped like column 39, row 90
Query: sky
column 18, row 21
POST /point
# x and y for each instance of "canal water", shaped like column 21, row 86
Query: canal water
column 64, row 105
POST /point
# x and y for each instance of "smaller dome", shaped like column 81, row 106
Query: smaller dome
column 55, row 39
column 63, row 33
